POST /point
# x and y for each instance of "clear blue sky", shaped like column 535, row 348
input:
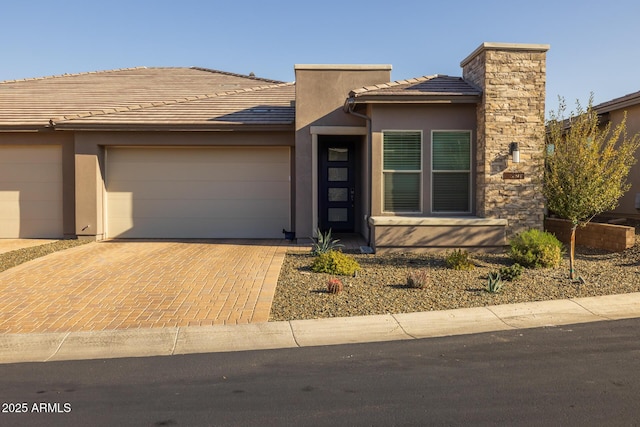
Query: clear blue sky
column 595, row 45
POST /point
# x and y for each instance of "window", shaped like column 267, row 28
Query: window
column 402, row 171
column 451, row 171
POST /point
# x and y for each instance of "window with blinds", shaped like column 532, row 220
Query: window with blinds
column 451, row 171
column 402, row 171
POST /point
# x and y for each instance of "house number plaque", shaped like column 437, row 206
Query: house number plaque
column 513, row 175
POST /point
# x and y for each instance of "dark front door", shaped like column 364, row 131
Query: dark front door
column 336, row 186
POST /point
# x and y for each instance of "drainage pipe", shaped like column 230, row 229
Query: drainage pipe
column 349, row 105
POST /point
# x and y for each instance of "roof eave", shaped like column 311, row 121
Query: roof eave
column 169, row 127
column 607, row 107
column 416, row 99
column 26, row 127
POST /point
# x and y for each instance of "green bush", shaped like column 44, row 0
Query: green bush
column 536, row 249
column 511, row 273
column 334, row 262
column 459, row 260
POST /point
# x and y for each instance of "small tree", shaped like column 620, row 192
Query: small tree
column 586, row 166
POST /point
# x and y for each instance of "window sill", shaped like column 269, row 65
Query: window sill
column 436, row 221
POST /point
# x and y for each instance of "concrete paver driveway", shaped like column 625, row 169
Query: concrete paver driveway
column 142, row 284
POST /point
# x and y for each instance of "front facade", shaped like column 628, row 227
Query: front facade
column 420, row 164
column 614, row 112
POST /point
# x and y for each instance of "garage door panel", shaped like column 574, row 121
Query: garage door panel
column 45, row 191
column 38, row 173
column 25, row 209
column 188, row 190
column 31, row 192
column 198, row 228
column 198, row 193
column 30, row 228
column 31, row 154
column 195, row 155
column 224, row 209
column 228, row 172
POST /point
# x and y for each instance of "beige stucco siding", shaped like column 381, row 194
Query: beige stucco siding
column 424, row 118
column 221, row 192
column 31, row 201
column 320, row 95
column 626, row 204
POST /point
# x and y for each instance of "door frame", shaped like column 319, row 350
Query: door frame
column 315, row 132
column 349, row 183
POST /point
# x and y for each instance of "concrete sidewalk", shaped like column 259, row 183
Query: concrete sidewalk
column 303, row 333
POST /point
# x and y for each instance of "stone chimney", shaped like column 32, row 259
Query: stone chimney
column 512, row 78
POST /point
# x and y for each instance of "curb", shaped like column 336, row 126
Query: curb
column 18, row 348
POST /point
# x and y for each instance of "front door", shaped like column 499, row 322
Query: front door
column 336, row 185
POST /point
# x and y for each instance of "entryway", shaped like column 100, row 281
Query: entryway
column 337, row 182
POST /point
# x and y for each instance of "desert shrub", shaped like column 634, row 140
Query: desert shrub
column 334, row 262
column 418, row 279
column 459, row 260
column 511, row 273
column 325, row 243
column 494, row 282
column 334, row 286
column 536, row 249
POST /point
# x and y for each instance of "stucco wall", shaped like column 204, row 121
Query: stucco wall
column 425, row 118
column 321, row 91
column 626, row 206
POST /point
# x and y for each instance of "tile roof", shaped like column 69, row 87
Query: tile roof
column 628, row 100
column 422, row 87
column 263, row 105
column 136, row 95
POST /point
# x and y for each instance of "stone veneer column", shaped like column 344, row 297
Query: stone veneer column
column 512, row 78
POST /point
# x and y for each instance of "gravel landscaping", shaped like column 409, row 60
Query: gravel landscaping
column 380, row 287
column 19, row 256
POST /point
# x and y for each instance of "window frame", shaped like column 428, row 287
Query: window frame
column 469, row 171
column 420, row 173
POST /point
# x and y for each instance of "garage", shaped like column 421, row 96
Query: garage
column 199, row 192
column 30, row 191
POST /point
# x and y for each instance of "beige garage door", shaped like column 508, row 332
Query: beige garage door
column 30, row 192
column 198, row 192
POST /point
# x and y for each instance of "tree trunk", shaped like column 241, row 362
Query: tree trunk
column 572, row 251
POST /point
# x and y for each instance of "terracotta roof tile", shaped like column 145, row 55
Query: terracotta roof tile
column 32, row 103
column 265, row 105
column 436, row 85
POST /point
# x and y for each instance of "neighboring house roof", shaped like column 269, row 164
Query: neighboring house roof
column 167, row 97
column 618, row 103
column 436, row 88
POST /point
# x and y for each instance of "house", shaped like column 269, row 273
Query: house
column 418, row 164
column 613, row 112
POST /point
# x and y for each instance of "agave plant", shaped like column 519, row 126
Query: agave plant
column 494, row 282
column 325, row 243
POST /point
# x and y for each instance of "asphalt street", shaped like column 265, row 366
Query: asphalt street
column 587, row 374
